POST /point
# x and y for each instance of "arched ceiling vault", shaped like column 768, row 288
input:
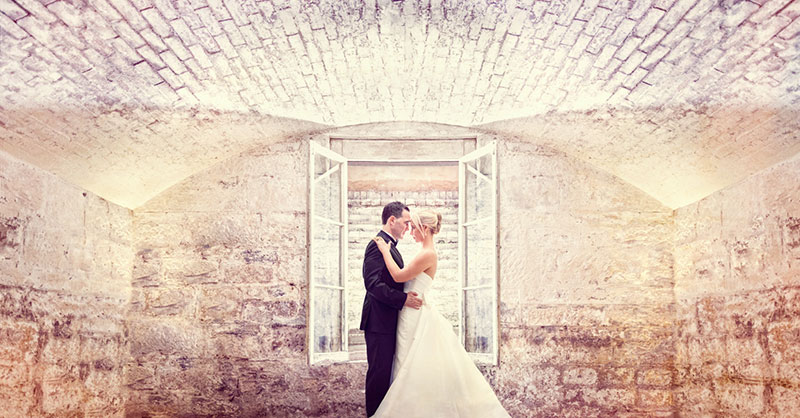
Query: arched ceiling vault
column 127, row 97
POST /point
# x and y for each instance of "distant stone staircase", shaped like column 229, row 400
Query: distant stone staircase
column 358, row 346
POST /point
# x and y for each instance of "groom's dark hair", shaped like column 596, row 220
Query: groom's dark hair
column 393, row 209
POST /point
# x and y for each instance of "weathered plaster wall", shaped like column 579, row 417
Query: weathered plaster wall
column 218, row 316
column 737, row 287
column 65, row 272
column 586, row 310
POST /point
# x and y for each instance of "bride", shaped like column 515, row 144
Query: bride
column 432, row 374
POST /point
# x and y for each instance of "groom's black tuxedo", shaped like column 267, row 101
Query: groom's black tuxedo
column 384, row 297
column 382, row 303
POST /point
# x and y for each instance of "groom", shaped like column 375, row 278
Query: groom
column 383, row 301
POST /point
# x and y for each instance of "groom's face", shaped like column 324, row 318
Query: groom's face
column 400, row 225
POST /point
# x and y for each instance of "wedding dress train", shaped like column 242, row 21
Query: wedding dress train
column 433, row 376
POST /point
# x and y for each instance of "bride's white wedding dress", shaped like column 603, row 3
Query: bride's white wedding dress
column 433, row 376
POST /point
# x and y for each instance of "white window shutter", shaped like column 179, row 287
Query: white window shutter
column 327, row 255
column 477, row 253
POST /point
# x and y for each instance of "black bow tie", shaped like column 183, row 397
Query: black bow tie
column 391, row 239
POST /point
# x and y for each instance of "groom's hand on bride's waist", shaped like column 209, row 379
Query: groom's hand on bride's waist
column 413, row 300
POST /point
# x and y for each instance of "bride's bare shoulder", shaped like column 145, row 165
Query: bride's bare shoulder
column 427, row 254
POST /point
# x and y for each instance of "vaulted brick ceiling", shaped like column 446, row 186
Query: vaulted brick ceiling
column 127, row 97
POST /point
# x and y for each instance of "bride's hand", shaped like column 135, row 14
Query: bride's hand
column 383, row 246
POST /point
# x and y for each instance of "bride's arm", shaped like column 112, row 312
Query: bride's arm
column 422, row 261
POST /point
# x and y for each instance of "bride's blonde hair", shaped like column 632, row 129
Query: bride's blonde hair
column 429, row 218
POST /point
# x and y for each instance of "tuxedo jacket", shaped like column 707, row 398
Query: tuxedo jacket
column 384, row 297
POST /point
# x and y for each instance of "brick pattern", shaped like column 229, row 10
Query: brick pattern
column 113, row 80
column 323, row 61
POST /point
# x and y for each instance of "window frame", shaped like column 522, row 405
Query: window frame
column 487, row 149
column 315, row 357
column 343, row 356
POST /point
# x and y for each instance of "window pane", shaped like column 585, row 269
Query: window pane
column 328, row 320
column 322, row 164
column 480, row 253
column 478, row 317
column 328, row 195
column 325, row 256
column 484, row 165
column 478, row 190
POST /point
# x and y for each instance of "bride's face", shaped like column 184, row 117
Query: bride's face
column 415, row 232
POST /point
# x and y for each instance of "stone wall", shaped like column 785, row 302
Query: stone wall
column 586, row 303
column 737, row 286
column 219, row 306
column 65, row 272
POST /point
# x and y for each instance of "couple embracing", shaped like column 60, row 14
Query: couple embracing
column 416, row 365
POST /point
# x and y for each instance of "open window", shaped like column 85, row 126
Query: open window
column 468, row 272
column 477, row 252
column 327, row 255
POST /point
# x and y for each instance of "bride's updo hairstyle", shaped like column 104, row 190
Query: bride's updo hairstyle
column 429, row 218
